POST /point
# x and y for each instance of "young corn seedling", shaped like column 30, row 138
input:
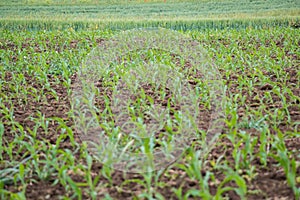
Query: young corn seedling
column 289, row 165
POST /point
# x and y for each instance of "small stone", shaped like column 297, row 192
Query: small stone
column 266, row 87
